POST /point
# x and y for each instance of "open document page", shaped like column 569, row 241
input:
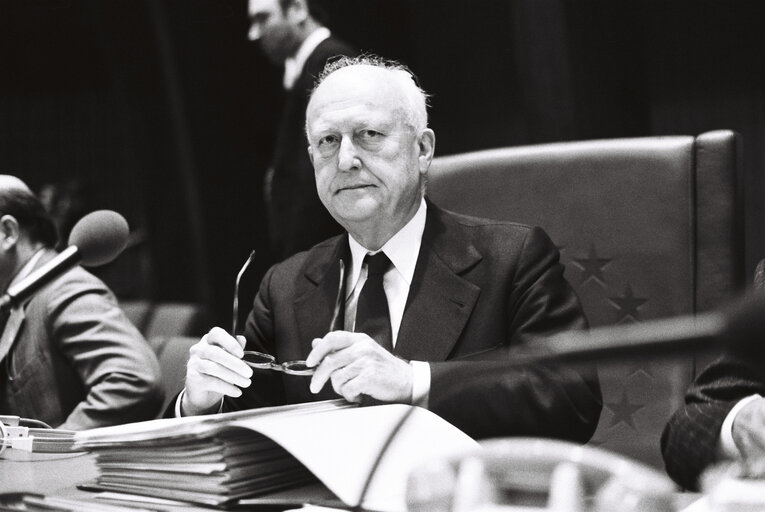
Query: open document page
column 220, row 459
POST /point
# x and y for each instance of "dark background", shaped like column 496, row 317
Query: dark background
column 164, row 111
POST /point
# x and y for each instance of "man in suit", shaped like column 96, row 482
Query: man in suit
column 723, row 419
column 68, row 355
column 454, row 291
column 290, row 34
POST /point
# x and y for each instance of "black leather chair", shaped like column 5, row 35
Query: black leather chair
column 647, row 228
column 166, row 318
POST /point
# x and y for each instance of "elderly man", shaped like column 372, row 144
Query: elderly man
column 454, row 291
column 68, row 356
column 289, row 33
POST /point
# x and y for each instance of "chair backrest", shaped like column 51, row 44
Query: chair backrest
column 647, row 228
column 166, row 318
column 173, row 354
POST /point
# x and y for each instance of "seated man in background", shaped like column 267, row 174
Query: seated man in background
column 723, row 419
column 68, row 357
column 432, row 299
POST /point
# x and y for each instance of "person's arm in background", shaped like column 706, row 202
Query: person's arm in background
column 117, row 367
column 693, row 440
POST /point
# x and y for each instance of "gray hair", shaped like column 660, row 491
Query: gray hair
column 417, row 99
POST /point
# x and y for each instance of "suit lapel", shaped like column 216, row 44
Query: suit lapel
column 12, row 327
column 17, row 315
column 317, row 291
column 440, row 299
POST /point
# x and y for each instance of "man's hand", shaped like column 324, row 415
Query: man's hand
column 215, row 369
column 357, row 367
column 749, row 436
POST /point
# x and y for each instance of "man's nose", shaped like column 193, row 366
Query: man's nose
column 347, row 155
column 254, row 32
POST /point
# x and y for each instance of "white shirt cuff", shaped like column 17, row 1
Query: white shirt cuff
column 180, row 398
column 726, row 447
column 420, row 383
column 178, row 403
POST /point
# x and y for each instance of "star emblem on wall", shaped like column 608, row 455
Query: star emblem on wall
column 634, row 367
column 627, row 305
column 592, row 266
column 623, row 411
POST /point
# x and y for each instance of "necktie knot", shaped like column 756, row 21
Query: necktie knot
column 377, row 264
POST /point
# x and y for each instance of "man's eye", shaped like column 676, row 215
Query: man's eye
column 371, row 134
column 327, row 141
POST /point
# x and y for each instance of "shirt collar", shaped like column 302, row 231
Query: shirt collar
column 402, row 249
column 293, row 66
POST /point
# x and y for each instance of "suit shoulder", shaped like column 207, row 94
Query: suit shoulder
column 499, row 235
column 297, row 263
column 332, row 47
column 473, row 223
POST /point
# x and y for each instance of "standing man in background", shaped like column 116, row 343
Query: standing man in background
column 290, row 33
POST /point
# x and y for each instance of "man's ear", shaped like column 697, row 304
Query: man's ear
column 310, row 153
column 426, row 147
column 9, row 227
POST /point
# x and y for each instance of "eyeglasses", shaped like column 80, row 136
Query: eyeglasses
column 264, row 361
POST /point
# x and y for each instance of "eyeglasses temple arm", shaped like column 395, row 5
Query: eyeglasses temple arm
column 235, row 323
column 335, row 324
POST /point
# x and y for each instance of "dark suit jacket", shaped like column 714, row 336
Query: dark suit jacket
column 72, row 359
column 298, row 220
column 479, row 286
column 689, row 441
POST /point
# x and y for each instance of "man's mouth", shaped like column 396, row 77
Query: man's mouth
column 354, row 187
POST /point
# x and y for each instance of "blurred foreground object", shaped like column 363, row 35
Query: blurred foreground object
column 538, row 474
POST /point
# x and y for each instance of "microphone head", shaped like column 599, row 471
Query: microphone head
column 100, row 237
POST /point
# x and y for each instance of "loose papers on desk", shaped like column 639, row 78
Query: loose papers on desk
column 218, row 459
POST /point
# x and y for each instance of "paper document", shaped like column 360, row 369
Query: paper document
column 234, row 455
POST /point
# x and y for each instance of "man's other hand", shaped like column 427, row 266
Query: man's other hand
column 357, row 366
column 749, row 436
column 215, row 369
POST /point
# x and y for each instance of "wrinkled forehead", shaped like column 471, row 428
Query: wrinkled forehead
column 356, row 87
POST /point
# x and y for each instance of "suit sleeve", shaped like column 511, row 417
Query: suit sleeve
column 118, row 370
column 689, row 441
column 495, row 397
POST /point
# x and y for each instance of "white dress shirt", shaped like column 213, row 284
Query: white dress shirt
column 726, row 447
column 293, row 66
column 402, row 250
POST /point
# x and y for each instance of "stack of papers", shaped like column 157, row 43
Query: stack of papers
column 221, row 459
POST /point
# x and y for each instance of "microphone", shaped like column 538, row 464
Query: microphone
column 96, row 239
column 739, row 327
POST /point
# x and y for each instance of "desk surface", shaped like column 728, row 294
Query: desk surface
column 60, row 475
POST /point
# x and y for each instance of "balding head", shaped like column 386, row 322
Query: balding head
column 411, row 99
column 8, row 182
column 19, row 202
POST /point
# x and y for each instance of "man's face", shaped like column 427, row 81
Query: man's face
column 368, row 159
column 273, row 29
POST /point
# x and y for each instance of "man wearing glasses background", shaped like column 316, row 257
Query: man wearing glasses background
column 429, row 300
